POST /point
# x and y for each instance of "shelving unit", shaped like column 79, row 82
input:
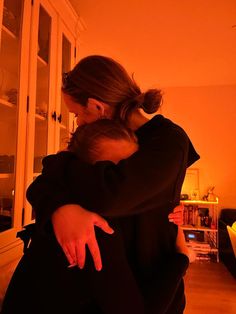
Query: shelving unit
column 201, row 228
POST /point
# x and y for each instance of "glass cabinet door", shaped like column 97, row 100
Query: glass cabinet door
column 9, row 102
column 42, row 77
column 42, row 90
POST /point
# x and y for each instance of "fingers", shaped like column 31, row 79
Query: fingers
column 103, row 224
column 176, row 218
column 80, row 254
column 95, row 252
column 69, row 254
column 178, row 222
column 75, row 254
column 173, row 216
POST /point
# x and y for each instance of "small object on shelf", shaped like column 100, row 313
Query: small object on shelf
column 195, row 194
column 184, row 197
column 12, row 95
column 207, row 221
column 42, row 110
column 210, row 196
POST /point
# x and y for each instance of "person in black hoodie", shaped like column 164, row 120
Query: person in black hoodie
column 140, row 191
column 100, row 140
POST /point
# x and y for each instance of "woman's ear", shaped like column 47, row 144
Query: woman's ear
column 96, row 107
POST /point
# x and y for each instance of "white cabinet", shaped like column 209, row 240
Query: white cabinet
column 201, row 228
column 38, row 42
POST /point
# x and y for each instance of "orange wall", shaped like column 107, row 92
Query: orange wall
column 208, row 114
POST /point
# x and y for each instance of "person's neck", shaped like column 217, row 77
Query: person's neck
column 136, row 120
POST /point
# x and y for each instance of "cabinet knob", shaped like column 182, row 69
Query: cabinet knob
column 59, row 118
column 54, row 115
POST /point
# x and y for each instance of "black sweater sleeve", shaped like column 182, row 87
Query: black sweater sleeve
column 115, row 190
column 129, row 187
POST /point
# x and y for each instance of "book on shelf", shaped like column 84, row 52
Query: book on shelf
column 197, row 216
column 199, row 245
column 203, row 258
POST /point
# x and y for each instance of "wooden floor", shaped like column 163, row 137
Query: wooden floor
column 210, row 289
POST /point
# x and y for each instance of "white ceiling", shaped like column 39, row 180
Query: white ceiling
column 166, row 42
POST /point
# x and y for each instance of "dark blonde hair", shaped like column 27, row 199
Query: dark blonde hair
column 104, row 79
column 85, row 140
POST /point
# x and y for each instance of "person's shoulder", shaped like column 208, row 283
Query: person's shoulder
column 161, row 125
column 167, row 123
column 180, row 137
column 161, row 131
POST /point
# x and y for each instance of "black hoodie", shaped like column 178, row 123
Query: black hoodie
column 136, row 197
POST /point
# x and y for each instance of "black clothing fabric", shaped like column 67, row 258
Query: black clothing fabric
column 149, row 179
column 42, row 283
column 136, row 197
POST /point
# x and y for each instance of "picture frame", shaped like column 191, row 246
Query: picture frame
column 191, row 184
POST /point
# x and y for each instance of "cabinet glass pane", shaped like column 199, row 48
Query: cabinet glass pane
column 9, row 91
column 66, row 66
column 42, row 89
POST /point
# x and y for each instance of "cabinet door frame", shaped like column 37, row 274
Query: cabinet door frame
column 29, row 166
